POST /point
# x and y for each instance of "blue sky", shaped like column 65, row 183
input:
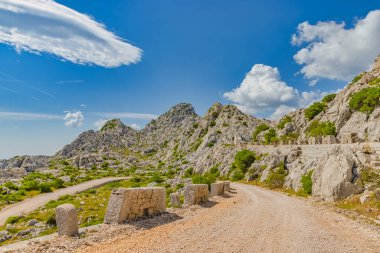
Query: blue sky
column 150, row 55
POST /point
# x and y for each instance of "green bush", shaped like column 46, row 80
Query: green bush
column 188, row 172
column 11, row 186
column 212, row 123
column 307, row 183
column 356, row 78
column 237, row 175
column 45, row 187
column 365, row 100
column 328, row 98
column 289, row 137
column 283, row 121
column 30, row 185
column 258, row 130
column 243, row 159
column 317, row 128
column 314, row 110
column 270, row 136
column 276, row 177
column 375, row 81
column 13, row 219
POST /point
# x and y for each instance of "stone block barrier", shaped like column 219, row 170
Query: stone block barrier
column 196, row 194
column 175, row 200
column 217, row 189
column 130, row 203
column 226, row 185
column 67, row 220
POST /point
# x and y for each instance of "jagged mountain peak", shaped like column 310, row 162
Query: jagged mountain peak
column 115, row 125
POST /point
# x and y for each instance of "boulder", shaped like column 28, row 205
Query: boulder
column 334, row 178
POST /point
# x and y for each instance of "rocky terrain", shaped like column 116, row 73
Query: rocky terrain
column 180, row 140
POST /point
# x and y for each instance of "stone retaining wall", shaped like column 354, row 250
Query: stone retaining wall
column 126, row 204
column 196, row 194
column 226, row 186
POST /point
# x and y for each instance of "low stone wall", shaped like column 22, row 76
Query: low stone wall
column 196, row 194
column 67, row 220
column 127, row 204
column 217, row 189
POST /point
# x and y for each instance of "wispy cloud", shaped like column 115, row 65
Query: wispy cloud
column 126, row 115
column 44, row 26
column 26, row 116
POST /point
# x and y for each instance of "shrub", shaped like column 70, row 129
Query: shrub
column 258, row 130
column 45, row 187
column 30, row 185
column 237, row 175
column 13, row 219
column 307, row 183
column 243, row 159
column 314, row 110
column 356, row 79
column 365, row 100
column 189, row 172
column 328, row 98
column 289, row 137
column 317, row 128
column 283, row 121
column 375, row 81
column 11, row 186
column 156, row 178
column 212, row 123
column 276, row 178
column 270, row 136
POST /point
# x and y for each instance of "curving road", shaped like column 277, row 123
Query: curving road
column 31, row 204
column 252, row 220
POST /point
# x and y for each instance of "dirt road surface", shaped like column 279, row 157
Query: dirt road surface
column 31, row 204
column 251, row 220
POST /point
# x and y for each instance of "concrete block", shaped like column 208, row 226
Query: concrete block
column 130, row 203
column 175, row 200
column 196, row 194
column 217, row 189
column 329, row 139
column 67, row 220
column 226, row 185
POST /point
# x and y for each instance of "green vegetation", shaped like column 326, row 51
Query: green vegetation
column 188, row 172
column 212, row 123
column 313, row 110
column 207, row 178
column 307, row 183
column 289, row 137
column 276, row 177
column 317, row 128
column 283, row 121
column 258, row 130
column 328, row 98
column 243, row 160
column 369, row 176
column 111, row 124
column 365, row 100
column 270, row 136
column 356, row 79
column 375, row 81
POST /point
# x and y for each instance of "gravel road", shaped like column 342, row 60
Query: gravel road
column 31, row 204
column 251, row 220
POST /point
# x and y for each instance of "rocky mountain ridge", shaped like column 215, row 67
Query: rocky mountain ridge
column 180, row 139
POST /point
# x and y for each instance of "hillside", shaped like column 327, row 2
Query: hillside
column 180, row 140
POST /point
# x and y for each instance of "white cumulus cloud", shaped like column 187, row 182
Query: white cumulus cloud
column 44, row 26
column 100, row 123
column 335, row 52
column 135, row 126
column 73, row 119
column 262, row 91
